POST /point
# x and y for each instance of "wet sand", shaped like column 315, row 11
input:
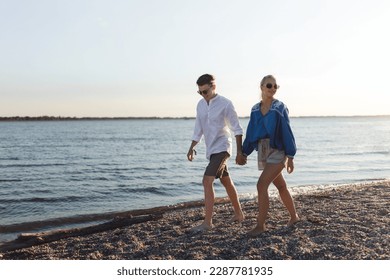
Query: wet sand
column 344, row 222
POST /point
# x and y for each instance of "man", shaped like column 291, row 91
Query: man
column 215, row 117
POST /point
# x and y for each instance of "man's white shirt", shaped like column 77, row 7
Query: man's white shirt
column 214, row 121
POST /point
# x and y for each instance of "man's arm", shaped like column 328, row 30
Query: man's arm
column 240, row 158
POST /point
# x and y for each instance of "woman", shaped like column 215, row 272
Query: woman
column 269, row 133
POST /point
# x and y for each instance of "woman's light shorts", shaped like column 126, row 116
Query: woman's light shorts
column 266, row 154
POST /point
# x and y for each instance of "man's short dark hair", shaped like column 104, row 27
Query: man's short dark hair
column 205, row 80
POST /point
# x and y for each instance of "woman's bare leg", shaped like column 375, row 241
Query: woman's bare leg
column 270, row 172
column 286, row 198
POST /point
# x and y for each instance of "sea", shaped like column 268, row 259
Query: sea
column 59, row 174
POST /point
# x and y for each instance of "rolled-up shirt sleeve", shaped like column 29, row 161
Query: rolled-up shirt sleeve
column 232, row 120
column 198, row 132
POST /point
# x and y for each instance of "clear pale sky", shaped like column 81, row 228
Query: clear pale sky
column 118, row 58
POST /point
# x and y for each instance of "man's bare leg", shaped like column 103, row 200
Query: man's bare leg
column 232, row 193
column 209, row 196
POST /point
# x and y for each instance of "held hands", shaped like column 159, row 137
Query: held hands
column 240, row 159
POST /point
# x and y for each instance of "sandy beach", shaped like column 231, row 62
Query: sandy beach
column 344, row 222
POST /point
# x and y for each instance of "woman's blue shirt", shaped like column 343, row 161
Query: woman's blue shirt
column 274, row 125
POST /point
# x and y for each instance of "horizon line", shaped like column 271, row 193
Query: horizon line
column 48, row 118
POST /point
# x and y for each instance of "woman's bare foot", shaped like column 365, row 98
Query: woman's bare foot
column 259, row 229
column 201, row 228
column 238, row 218
column 293, row 221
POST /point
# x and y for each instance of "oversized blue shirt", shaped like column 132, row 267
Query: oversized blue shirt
column 274, row 125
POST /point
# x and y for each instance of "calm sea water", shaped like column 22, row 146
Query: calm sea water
column 60, row 169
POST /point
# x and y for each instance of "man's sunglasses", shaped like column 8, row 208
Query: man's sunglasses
column 204, row 92
column 269, row 86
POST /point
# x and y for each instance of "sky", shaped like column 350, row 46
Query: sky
column 141, row 58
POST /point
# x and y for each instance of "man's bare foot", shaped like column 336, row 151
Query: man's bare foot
column 259, row 229
column 237, row 218
column 293, row 221
column 201, row 228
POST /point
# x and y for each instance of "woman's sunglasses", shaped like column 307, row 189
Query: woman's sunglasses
column 269, row 86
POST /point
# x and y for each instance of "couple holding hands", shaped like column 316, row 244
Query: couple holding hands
column 268, row 132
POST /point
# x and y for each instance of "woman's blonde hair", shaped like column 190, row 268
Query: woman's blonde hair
column 265, row 78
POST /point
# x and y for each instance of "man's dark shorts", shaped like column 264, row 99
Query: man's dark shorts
column 218, row 165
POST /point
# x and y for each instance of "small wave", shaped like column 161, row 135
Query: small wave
column 10, row 180
column 151, row 190
column 148, row 168
column 9, row 158
column 320, row 187
column 141, row 139
column 101, row 179
column 31, row 165
column 365, row 153
column 43, row 199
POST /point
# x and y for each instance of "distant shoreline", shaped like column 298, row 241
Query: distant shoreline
column 59, row 118
column 51, row 118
